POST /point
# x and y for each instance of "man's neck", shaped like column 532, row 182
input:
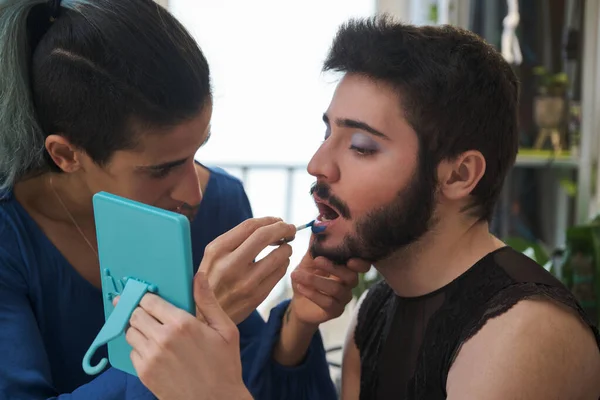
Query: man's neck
column 442, row 255
column 51, row 195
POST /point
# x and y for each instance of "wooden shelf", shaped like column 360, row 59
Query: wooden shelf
column 545, row 159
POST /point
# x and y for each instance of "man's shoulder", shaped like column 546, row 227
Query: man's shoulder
column 21, row 239
column 227, row 192
column 551, row 319
column 225, row 203
column 537, row 346
column 225, row 180
column 10, row 220
column 14, row 240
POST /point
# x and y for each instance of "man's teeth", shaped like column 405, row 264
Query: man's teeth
column 323, row 218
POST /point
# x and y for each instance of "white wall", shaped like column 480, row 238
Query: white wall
column 265, row 58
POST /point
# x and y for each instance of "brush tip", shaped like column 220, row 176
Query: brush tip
column 317, row 229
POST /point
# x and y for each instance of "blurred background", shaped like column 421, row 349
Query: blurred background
column 266, row 57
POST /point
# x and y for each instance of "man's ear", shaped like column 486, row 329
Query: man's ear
column 460, row 176
column 64, row 154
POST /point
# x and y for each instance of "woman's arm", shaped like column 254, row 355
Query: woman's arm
column 24, row 367
column 285, row 357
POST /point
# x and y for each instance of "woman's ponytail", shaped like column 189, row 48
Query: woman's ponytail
column 92, row 71
column 22, row 22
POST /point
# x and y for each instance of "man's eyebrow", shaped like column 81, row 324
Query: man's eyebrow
column 352, row 123
column 167, row 165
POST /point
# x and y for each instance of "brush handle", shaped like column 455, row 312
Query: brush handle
column 301, row 227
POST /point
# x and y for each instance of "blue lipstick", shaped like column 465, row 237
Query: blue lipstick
column 313, row 228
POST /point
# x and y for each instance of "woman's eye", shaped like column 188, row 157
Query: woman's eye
column 160, row 173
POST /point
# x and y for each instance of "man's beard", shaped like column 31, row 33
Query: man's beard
column 188, row 211
column 389, row 228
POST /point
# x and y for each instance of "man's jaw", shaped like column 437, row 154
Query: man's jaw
column 340, row 252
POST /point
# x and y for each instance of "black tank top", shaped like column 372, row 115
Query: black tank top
column 407, row 345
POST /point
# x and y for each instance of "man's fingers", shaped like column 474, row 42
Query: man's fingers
column 136, row 359
column 260, row 239
column 266, row 273
column 233, row 238
column 208, row 306
column 278, row 259
column 327, row 303
column 327, row 286
column 347, row 276
column 144, row 323
column 321, row 272
column 268, row 283
column 358, row 265
column 160, row 309
column 136, row 339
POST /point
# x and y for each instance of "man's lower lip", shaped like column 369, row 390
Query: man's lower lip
column 327, row 223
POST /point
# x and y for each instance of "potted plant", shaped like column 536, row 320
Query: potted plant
column 365, row 281
column 549, row 107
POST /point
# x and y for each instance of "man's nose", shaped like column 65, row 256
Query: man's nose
column 323, row 166
column 188, row 190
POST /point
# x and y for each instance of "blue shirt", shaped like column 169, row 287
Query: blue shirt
column 49, row 315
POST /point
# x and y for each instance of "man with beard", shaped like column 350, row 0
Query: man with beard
column 420, row 134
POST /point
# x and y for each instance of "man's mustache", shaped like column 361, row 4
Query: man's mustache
column 190, row 208
column 323, row 191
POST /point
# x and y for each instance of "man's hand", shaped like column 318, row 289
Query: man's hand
column 322, row 289
column 239, row 283
column 321, row 292
column 180, row 357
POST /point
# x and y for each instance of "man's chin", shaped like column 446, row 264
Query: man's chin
column 338, row 254
column 327, row 243
column 341, row 251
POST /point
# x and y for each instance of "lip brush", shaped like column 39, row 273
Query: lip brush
column 311, row 224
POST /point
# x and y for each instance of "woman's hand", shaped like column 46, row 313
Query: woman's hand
column 180, row 357
column 239, row 283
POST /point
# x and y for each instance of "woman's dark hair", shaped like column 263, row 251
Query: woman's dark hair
column 98, row 72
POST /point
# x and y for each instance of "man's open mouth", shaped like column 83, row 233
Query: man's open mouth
column 326, row 212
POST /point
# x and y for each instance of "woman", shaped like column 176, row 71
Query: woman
column 114, row 95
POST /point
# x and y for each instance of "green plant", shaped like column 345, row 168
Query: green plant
column 550, row 84
column 365, row 281
column 570, row 186
column 535, row 250
column 581, row 269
